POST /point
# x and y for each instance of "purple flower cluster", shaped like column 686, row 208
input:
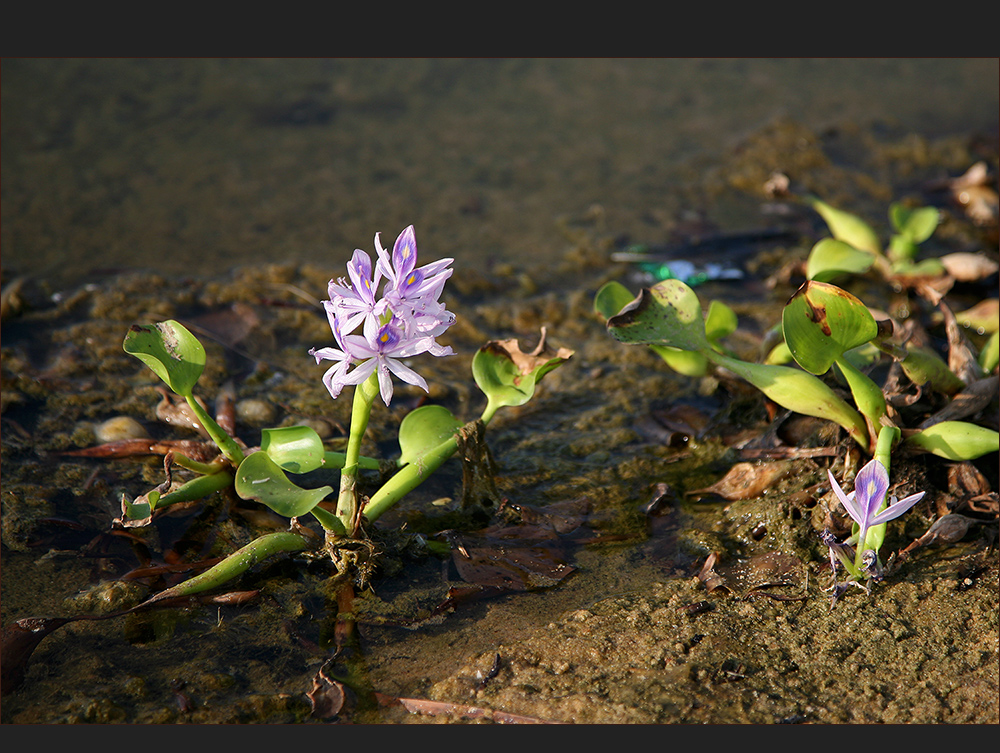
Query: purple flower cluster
column 403, row 323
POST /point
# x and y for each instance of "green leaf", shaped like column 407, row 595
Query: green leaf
column 847, row 227
column 779, row 355
column 668, row 313
column 507, row 376
column 720, row 321
column 982, row 318
column 173, row 353
column 863, row 356
column 922, row 365
column 923, row 268
column 611, row 298
column 141, row 508
column 686, row 362
column 990, row 355
column 956, row 440
column 830, row 259
column 902, row 250
column 297, row 449
column 821, row 322
column 424, row 429
column 259, row 478
column 916, row 225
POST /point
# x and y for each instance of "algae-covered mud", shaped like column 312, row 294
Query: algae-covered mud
column 650, row 581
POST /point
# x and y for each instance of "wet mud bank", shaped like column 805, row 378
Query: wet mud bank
column 682, row 607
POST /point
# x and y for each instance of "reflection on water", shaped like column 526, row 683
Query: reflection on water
column 197, row 166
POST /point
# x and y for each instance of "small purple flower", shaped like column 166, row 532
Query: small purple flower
column 411, row 293
column 380, row 351
column 352, row 304
column 334, row 376
column 870, row 487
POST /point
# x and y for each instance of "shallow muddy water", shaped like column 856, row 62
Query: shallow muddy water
column 226, row 193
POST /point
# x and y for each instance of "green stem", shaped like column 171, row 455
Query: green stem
column 347, row 501
column 887, row 436
column 339, row 460
column 236, row 564
column 205, row 469
column 489, row 412
column 219, row 435
column 868, row 396
column 197, row 488
column 409, row 478
column 798, row 391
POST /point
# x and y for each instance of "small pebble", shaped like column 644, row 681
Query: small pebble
column 119, row 427
column 321, row 426
column 256, row 412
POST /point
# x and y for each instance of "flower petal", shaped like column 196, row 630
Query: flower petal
column 898, row 508
column 846, row 500
column 384, row 384
column 407, row 374
column 870, row 487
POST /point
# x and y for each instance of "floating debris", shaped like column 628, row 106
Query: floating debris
column 670, row 262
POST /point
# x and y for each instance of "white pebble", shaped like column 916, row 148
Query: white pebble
column 119, row 427
column 256, row 412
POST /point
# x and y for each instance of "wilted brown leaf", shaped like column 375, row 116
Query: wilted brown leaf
column 528, row 362
column 510, row 567
column 747, row 480
column 967, row 267
column 20, row 639
column 327, row 696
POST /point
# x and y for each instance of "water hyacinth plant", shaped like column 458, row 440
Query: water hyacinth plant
column 828, row 333
column 374, row 332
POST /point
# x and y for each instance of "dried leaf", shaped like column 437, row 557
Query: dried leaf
column 761, row 571
column 327, row 696
column 528, row 362
column 229, row 326
column 513, row 568
column 968, row 267
column 747, row 480
column 707, row 575
column 965, row 479
column 946, row 530
column 20, row 639
column 174, row 410
column 125, row 448
column 962, row 357
column 968, row 402
column 559, row 517
column 459, row 711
